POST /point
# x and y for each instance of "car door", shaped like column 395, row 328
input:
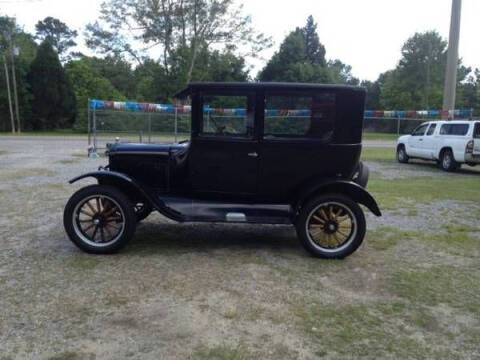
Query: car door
column 415, row 141
column 224, row 152
column 296, row 142
column 427, row 147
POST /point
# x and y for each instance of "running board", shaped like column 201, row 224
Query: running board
column 217, row 211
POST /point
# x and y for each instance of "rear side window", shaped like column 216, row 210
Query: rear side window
column 299, row 116
column 476, row 131
column 431, row 129
column 454, row 129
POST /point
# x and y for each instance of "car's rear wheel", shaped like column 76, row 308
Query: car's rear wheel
column 99, row 219
column 331, row 226
column 447, row 161
column 402, row 156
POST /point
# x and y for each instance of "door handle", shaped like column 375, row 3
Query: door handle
column 253, row 154
column 420, row 139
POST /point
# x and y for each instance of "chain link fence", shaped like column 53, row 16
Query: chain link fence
column 153, row 123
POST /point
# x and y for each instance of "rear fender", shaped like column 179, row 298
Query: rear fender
column 131, row 188
column 343, row 187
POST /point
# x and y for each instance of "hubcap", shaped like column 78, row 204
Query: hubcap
column 331, row 226
column 98, row 220
column 447, row 161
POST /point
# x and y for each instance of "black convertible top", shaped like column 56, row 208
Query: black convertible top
column 226, row 86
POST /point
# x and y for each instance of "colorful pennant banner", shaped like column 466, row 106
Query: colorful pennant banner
column 185, row 109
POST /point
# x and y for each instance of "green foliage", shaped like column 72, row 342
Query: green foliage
column 418, row 80
column 58, row 34
column 301, row 58
column 53, row 104
column 27, row 51
column 182, row 30
column 89, row 84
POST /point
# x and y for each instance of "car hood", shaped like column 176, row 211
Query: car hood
column 137, row 148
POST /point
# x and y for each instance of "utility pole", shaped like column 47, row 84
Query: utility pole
column 449, row 91
column 9, row 95
column 14, row 81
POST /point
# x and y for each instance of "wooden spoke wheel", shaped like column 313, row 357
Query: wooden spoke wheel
column 331, row 226
column 99, row 219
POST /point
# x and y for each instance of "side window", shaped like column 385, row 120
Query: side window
column 228, row 116
column 420, row 131
column 431, row 129
column 454, row 129
column 299, row 116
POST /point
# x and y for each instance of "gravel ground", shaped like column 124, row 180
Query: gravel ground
column 206, row 291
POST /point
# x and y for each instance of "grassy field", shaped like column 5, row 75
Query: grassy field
column 223, row 291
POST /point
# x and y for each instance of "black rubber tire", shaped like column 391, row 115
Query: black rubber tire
column 361, row 175
column 402, row 156
column 120, row 198
column 143, row 212
column 448, row 165
column 305, row 238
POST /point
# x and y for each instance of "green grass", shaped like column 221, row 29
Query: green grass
column 386, row 237
column 445, row 284
column 398, row 193
column 380, row 136
column 379, row 155
column 374, row 330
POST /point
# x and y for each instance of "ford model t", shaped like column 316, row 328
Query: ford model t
column 259, row 153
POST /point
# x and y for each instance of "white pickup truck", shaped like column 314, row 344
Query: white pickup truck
column 450, row 143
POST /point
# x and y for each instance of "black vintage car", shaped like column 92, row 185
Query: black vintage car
column 266, row 153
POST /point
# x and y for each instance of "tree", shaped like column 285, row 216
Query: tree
column 301, row 58
column 342, row 73
column 118, row 71
column 315, row 50
column 27, row 50
column 53, row 103
column 88, row 83
column 58, row 34
column 417, row 81
column 176, row 26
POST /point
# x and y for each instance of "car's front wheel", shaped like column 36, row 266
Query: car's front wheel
column 402, row 156
column 331, row 226
column 99, row 219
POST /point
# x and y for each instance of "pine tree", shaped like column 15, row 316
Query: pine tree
column 315, row 50
column 54, row 103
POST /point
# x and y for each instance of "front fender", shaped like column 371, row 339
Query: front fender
column 128, row 184
column 343, row 187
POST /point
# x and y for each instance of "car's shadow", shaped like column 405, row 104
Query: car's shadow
column 171, row 239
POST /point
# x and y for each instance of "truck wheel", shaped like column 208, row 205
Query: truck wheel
column 331, row 226
column 447, row 161
column 99, row 219
column 402, row 156
column 142, row 210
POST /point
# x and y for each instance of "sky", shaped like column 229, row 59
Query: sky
column 366, row 34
